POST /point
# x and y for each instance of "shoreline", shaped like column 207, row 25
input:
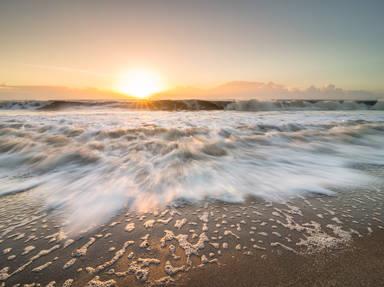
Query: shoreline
column 255, row 243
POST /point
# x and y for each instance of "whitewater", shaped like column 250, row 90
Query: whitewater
column 90, row 161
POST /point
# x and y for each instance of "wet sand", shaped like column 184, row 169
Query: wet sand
column 315, row 240
column 361, row 264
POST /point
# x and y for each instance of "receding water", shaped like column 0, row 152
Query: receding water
column 90, row 163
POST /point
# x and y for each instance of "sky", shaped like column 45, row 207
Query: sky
column 198, row 43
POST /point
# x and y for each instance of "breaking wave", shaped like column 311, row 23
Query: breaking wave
column 91, row 165
column 197, row 105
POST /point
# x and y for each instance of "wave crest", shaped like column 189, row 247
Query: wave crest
column 197, row 105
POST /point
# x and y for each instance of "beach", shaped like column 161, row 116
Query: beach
column 361, row 264
column 211, row 198
column 315, row 241
column 191, row 143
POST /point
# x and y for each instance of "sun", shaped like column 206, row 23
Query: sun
column 140, row 83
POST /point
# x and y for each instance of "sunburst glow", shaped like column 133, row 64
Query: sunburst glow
column 140, row 83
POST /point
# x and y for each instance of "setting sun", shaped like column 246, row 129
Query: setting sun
column 140, row 83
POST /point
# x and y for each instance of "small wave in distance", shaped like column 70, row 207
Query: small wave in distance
column 197, row 105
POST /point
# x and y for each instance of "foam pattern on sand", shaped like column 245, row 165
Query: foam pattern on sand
column 200, row 235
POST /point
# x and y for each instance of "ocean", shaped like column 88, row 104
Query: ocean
column 92, row 159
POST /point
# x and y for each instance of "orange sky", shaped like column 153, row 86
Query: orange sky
column 198, row 43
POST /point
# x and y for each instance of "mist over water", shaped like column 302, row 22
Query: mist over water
column 91, row 163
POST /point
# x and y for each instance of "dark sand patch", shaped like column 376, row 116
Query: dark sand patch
column 361, row 264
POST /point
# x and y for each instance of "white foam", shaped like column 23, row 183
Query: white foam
column 90, row 165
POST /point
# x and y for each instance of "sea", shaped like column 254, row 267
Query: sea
column 91, row 159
